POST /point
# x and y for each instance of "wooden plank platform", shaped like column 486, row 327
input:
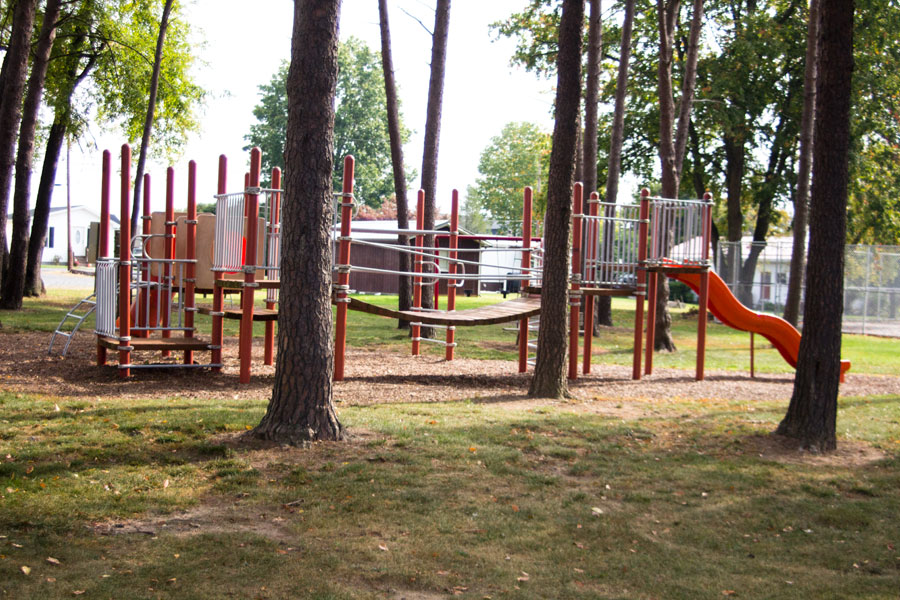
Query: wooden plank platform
column 504, row 312
column 259, row 314
column 173, row 343
column 238, row 284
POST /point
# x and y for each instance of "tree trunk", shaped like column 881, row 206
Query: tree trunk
column 393, row 114
column 151, row 109
column 549, row 379
column 604, row 303
column 433, row 132
column 687, row 87
column 13, row 75
column 812, row 414
column 13, row 285
column 801, row 199
column 301, row 408
column 41, row 216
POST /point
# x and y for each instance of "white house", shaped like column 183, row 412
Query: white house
column 57, row 240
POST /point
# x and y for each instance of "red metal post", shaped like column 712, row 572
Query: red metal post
column 651, row 310
column 218, row 323
column 752, row 357
column 164, row 298
column 417, row 261
column 274, row 217
column 103, row 241
column 125, row 265
column 343, row 286
column 574, row 298
column 593, row 230
column 251, row 234
column 451, row 268
column 526, row 264
column 704, row 287
column 190, row 254
column 641, row 290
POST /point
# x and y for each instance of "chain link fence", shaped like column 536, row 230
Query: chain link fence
column 757, row 274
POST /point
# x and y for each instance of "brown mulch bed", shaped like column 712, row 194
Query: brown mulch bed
column 377, row 376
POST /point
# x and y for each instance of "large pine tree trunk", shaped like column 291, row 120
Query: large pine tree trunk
column 301, row 407
column 549, row 379
column 13, row 76
column 13, row 286
column 40, row 219
column 393, row 114
column 433, row 131
column 812, row 414
column 801, row 199
column 148, row 120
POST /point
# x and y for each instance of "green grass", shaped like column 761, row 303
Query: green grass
column 147, row 499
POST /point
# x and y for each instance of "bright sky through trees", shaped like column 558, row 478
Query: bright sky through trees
column 244, row 47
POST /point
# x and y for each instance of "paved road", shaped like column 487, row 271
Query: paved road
column 60, row 279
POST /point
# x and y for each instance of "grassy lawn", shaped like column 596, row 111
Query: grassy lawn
column 152, row 499
column 675, row 499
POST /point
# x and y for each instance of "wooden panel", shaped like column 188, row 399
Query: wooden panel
column 504, row 312
column 172, row 343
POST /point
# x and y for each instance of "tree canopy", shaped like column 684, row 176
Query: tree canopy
column 518, row 157
column 360, row 126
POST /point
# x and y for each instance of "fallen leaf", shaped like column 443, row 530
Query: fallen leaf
column 165, row 483
column 26, row 569
column 524, row 577
column 382, row 547
column 78, row 592
column 577, row 570
column 729, row 593
column 472, row 448
column 52, row 561
column 56, row 407
column 51, row 580
column 443, row 572
column 515, row 508
column 596, row 511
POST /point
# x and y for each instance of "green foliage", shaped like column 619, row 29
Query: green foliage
column 121, row 78
column 518, row 157
column 360, row 126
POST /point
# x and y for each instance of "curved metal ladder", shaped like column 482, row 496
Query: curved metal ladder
column 78, row 314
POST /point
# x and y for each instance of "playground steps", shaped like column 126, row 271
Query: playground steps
column 259, row 314
column 77, row 315
column 172, row 344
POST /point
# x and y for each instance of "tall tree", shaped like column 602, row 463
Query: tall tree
column 360, row 126
column 672, row 148
column 604, row 304
column 433, row 131
column 396, row 138
column 12, row 76
column 516, row 158
column 151, row 109
column 13, row 285
column 812, row 413
column 549, row 379
column 301, row 407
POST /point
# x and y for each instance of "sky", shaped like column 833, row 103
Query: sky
column 241, row 49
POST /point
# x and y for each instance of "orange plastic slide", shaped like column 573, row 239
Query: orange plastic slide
column 730, row 311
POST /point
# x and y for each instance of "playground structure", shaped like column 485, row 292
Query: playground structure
column 147, row 294
column 153, row 288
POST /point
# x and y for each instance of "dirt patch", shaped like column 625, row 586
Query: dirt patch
column 782, row 449
column 376, row 376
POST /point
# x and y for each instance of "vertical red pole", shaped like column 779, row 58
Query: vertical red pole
column 251, row 207
column 526, row 264
column 218, row 323
column 164, row 298
column 190, row 254
column 417, row 261
column 125, row 266
column 592, row 233
column 641, row 290
column 451, row 283
column 651, row 309
column 343, row 287
column 274, row 217
column 103, row 237
column 142, row 310
column 574, row 300
column 706, row 216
